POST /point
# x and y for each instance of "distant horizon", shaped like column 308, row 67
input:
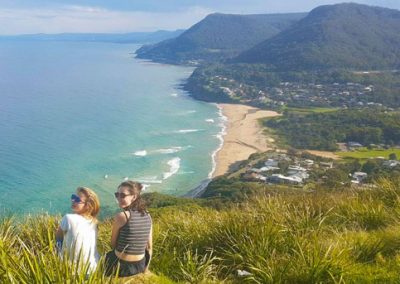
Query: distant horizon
column 90, row 33
column 22, row 17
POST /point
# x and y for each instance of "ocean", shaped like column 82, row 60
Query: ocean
column 90, row 114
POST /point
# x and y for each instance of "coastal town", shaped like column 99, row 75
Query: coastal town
column 298, row 168
column 295, row 94
column 291, row 169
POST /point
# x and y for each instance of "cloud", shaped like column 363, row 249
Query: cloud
column 120, row 16
column 86, row 19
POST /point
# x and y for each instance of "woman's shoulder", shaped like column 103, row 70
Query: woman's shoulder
column 69, row 216
column 75, row 218
column 68, row 220
column 122, row 217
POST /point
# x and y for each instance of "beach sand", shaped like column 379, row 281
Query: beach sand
column 244, row 135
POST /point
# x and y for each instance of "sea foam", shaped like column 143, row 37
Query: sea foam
column 186, row 112
column 182, row 131
column 168, row 150
column 220, row 137
column 174, row 164
column 140, row 153
column 149, row 180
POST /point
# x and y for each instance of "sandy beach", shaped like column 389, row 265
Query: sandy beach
column 244, row 135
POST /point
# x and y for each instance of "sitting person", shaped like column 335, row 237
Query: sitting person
column 77, row 233
column 131, row 237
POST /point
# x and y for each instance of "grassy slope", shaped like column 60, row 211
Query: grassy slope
column 365, row 153
column 320, row 237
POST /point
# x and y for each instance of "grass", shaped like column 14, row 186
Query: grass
column 346, row 236
column 308, row 110
column 364, row 153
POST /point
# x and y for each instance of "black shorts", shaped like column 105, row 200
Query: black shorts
column 126, row 268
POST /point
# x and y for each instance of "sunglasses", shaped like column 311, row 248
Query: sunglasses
column 76, row 199
column 121, row 195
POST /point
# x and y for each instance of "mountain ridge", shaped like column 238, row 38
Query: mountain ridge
column 345, row 35
column 218, row 36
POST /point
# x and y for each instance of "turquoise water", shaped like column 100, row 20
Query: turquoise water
column 89, row 114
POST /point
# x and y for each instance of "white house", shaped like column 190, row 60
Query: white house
column 391, row 163
column 359, row 176
column 271, row 163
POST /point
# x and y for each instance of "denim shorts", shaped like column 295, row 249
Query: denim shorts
column 126, row 268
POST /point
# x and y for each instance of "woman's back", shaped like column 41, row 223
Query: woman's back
column 80, row 238
column 134, row 235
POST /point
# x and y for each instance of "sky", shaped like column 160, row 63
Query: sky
column 121, row 16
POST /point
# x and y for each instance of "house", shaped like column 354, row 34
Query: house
column 278, row 178
column 326, row 165
column 268, row 168
column 358, row 177
column 254, row 176
column 301, row 175
column 308, row 163
column 271, row 163
column 352, row 144
column 391, row 163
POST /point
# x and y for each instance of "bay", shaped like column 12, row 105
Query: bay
column 90, row 114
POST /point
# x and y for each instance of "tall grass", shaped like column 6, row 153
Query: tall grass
column 349, row 236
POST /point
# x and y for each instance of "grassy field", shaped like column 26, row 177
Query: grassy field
column 310, row 109
column 349, row 236
column 364, row 153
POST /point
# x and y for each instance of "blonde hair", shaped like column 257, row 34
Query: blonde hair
column 92, row 202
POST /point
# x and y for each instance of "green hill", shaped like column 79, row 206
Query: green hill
column 218, row 36
column 347, row 236
column 334, row 36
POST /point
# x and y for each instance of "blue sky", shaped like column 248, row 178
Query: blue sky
column 116, row 16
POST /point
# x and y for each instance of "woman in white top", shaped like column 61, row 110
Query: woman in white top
column 78, row 231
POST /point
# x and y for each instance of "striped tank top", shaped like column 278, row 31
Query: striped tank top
column 133, row 236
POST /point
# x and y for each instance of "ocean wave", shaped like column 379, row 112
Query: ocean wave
column 210, row 120
column 167, row 150
column 174, row 95
column 186, row 173
column 140, row 153
column 151, row 180
column 186, row 112
column 174, row 164
column 182, row 131
column 220, row 137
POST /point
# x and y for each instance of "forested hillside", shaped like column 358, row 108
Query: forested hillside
column 334, row 36
column 218, row 36
column 323, row 130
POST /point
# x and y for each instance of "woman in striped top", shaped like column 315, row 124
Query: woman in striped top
column 131, row 237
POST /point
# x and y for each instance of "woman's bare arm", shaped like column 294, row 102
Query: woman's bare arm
column 119, row 221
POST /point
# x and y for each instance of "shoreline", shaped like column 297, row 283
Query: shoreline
column 241, row 136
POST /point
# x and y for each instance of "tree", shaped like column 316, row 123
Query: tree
column 370, row 166
column 392, row 156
